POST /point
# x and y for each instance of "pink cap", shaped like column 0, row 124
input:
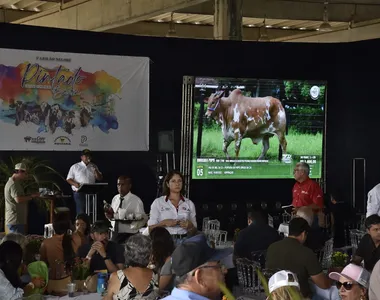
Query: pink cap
column 354, row 273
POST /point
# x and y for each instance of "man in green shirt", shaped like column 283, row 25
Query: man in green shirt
column 16, row 202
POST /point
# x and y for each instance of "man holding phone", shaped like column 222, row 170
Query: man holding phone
column 82, row 172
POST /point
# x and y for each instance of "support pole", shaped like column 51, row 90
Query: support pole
column 228, row 19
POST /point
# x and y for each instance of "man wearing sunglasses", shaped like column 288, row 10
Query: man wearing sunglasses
column 199, row 270
column 16, row 201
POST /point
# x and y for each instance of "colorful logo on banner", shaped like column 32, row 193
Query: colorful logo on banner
column 51, row 98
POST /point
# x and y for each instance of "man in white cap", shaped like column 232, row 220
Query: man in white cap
column 16, row 202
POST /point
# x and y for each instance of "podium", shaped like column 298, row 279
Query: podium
column 91, row 191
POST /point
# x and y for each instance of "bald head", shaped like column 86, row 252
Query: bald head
column 306, row 213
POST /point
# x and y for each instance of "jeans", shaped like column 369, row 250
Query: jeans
column 80, row 203
column 19, row 228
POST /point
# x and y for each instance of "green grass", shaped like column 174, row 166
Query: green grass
column 298, row 144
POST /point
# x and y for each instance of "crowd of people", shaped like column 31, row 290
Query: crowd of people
column 172, row 258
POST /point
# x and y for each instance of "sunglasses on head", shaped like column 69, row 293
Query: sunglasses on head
column 347, row 285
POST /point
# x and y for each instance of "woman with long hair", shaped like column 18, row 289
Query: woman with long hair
column 11, row 287
column 172, row 210
column 59, row 250
column 82, row 228
column 162, row 247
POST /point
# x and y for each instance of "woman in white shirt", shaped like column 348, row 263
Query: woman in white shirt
column 172, row 210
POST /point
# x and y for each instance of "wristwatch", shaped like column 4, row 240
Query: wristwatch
column 106, row 257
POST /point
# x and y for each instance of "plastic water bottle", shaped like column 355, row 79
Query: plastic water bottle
column 102, row 283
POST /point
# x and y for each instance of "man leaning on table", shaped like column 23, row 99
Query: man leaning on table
column 16, row 201
column 132, row 204
column 84, row 171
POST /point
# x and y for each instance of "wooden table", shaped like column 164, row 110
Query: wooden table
column 52, row 199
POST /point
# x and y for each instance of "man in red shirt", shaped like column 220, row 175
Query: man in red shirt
column 306, row 192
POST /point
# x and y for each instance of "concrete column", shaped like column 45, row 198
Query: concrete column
column 228, row 18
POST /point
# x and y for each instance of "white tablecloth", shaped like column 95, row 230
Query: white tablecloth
column 78, row 296
column 284, row 228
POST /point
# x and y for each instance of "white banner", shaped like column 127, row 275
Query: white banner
column 71, row 101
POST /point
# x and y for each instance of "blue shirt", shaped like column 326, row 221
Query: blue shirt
column 178, row 294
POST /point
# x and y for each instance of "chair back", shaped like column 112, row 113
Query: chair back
column 325, row 256
column 249, row 281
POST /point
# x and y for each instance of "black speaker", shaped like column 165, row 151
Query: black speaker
column 359, row 198
column 166, row 141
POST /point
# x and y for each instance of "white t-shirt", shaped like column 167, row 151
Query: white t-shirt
column 132, row 204
column 7, row 290
column 373, row 202
column 162, row 209
column 82, row 173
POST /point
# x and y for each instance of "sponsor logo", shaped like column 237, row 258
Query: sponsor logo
column 83, row 141
column 62, row 140
column 314, row 92
column 36, row 140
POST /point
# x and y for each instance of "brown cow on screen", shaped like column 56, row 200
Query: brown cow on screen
column 245, row 117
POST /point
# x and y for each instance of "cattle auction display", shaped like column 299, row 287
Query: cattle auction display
column 257, row 128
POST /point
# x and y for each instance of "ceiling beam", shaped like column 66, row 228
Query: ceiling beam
column 358, row 32
column 100, row 15
column 299, row 10
column 194, row 31
column 11, row 15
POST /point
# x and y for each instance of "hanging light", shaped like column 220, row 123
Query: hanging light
column 263, row 33
column 325, row 26
column 171, row 32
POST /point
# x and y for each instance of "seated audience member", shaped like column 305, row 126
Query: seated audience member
column 198, row 270
column 59, row 251
column 132, row 203
column 10, row 283
column 290, row 254
column 284, row 285
column 352, row 283
column 315, row 239
column 22, row 241
column 102, row 254
column 257, row 236
column 82, row 228
column 167, row 274
column 374, row 283
column 136, row 281
column 162, row 247
column 368, row 249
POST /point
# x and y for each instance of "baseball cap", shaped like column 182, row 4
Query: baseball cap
column 354, row 273
column 87, row 152
column 100, row 227
column 281, row 279
column 191, row 254
column 20, row 166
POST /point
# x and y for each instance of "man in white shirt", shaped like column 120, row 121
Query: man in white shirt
column 373, row 202
column 133, row 205
column 83, row 172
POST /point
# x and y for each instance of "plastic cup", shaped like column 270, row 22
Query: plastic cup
column 71, row 289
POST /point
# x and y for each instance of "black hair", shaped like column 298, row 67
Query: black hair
column 61, row 225
column 372, row 220
column 162, row 246
column 100, row 226
column 297, row 226
column 125, row 177
column 85, row 218
column 10, row 261
column 257, row 214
